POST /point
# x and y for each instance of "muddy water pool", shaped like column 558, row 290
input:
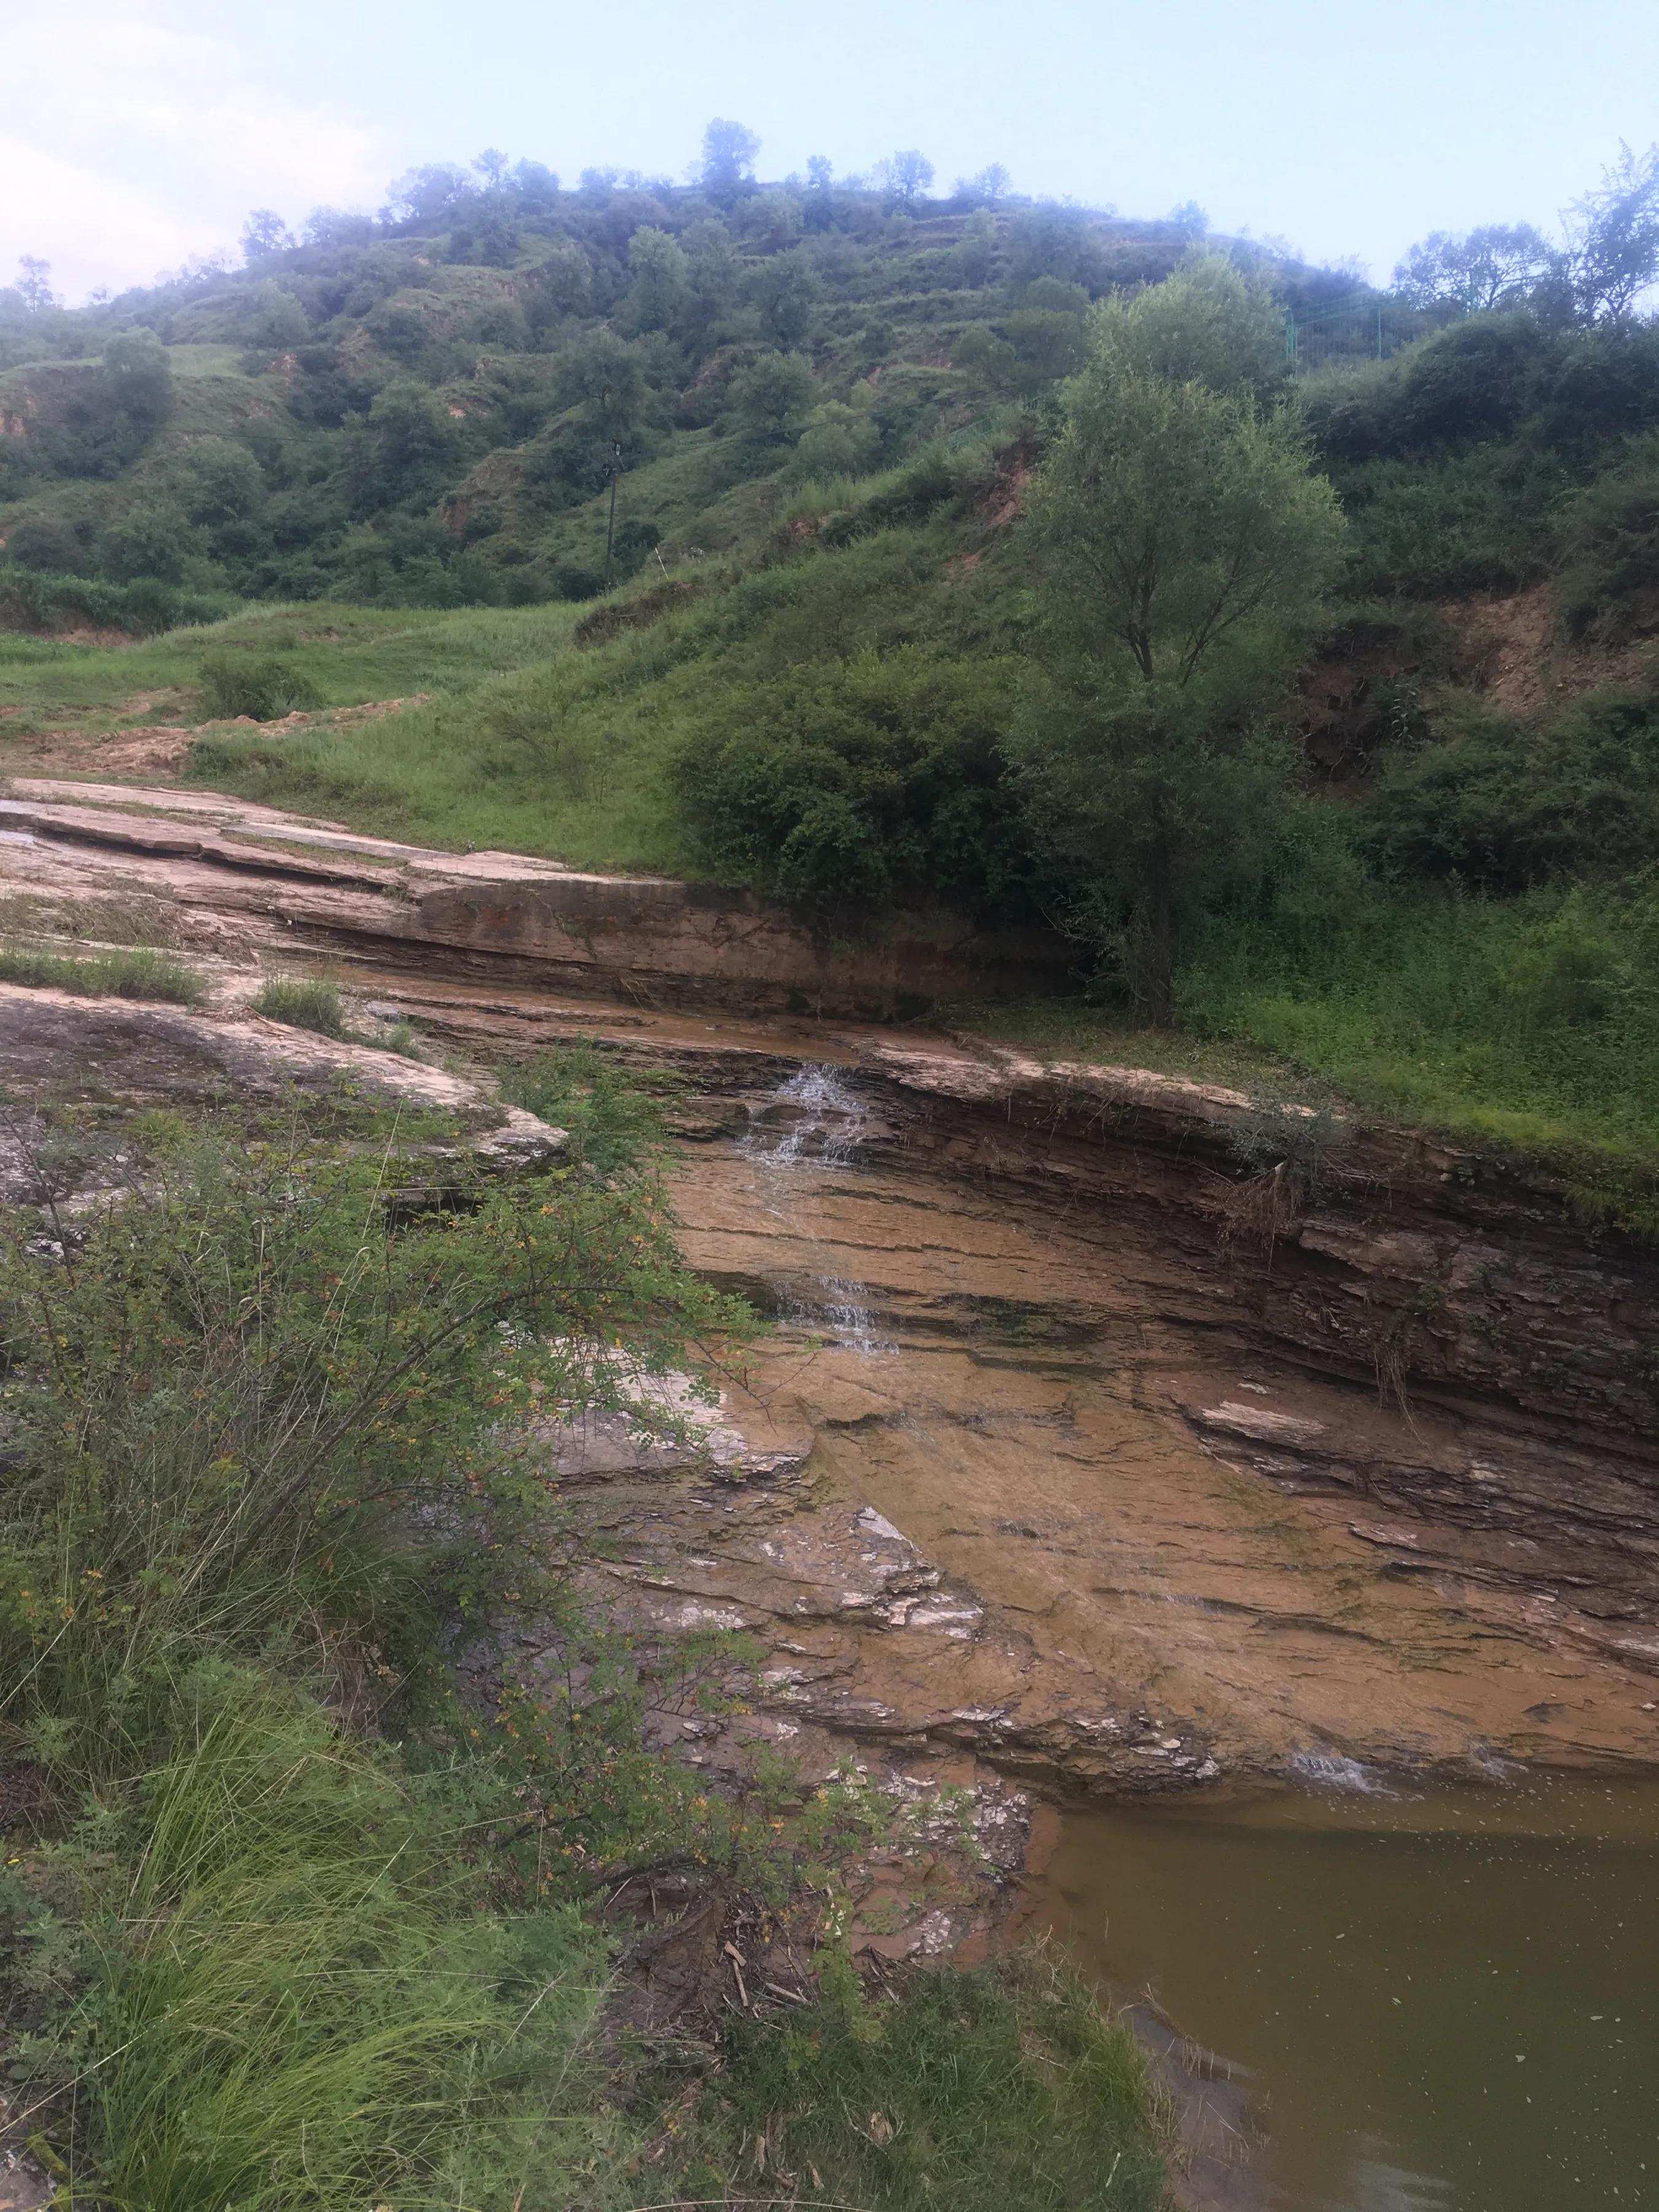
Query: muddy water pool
column 1438, row 2003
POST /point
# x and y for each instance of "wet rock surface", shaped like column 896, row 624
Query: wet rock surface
column 1077, row 1457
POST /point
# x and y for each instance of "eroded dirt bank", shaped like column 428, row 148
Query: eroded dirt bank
column 1060, row 1467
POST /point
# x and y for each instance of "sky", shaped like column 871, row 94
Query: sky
column 138, row 133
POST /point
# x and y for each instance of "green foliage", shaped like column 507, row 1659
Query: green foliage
column 981, row 2089
column 614, row 1123
column 772, row 397
column 304, row 1002
column 1499, row 804
column 261, row 687
column 1608, row 535
column 289, row 1992
column 257, row 1405
column 140, row 973
column 1184, row 549
column 846, row 786
column 1208, row 323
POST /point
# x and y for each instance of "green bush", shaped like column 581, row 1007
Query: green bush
column 1608, row 591
column 264, row 1444
column 261, row 688
column 1499, row 805
column 844, row 787
column 141, row 973
column 304, row 1002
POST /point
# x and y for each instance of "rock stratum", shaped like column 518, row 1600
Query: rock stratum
column 1095, row 1446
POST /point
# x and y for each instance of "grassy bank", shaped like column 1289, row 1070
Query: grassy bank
column 285, row 1922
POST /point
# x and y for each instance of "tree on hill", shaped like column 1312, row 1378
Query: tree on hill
column 729, row 150
column 1613, row 237
column 1184, row 547
column 905, row 176
column 264, row 234
column 1498, row 265
column 34, row 286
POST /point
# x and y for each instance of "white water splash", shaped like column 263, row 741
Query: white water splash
column 812, row 1117
column 1333, row 1770
column 835, row 1307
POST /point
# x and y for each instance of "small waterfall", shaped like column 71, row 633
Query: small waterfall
column 814, row 1119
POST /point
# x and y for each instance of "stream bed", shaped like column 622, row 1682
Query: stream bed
column 1446, row 2002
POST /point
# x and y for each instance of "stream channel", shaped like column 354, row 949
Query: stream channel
column 1431, row 1994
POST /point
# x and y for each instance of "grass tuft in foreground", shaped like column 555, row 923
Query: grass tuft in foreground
column 982, row 2089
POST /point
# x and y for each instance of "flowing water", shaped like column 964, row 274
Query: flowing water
column 1443, row 2003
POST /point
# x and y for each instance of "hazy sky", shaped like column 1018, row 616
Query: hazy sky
column 138, row 133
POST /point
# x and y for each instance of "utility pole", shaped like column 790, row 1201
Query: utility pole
column 613, row 470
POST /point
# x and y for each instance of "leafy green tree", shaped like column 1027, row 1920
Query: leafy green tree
column 1184, row 547
column 1190, row 220
column 976, row 249
column 34, row 286
column 1208, row 323
column 219, row 482
column 264, row 234
column 47, row 543
column 988, row 188
column 152, row 539
column 1499, row 265
column 906, row 177
column 783, row 291
column 728, row 158
column 1613, row 244
column 604, row 378
column 838, row 441
column 660, row 274
column 273, row 321
column 772, row 397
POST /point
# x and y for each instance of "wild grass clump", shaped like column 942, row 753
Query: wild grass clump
column 267, row 1442
column 289, row 1987
column 983, row 2089
column 141, row 972
column 261, row 687
column 304, row 1002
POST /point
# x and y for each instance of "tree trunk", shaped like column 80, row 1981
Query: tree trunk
column 1160, row 949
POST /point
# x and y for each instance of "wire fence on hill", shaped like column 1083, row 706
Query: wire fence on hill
column 1367, row 327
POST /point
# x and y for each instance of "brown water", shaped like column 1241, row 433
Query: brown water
column 1446, row 2003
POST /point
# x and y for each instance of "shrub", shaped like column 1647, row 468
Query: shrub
column 979, row 2090
column 843, row 787
column 1498, row 806
column 1609, row 538
column 261, row 689
column 304, row 1002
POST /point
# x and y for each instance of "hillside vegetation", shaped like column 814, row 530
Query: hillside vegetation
column 924, row 589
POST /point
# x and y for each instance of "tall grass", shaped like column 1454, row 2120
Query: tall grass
column 265, row 1445
column 294, row 1992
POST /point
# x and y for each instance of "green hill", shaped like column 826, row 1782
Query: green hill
column 839, row 661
